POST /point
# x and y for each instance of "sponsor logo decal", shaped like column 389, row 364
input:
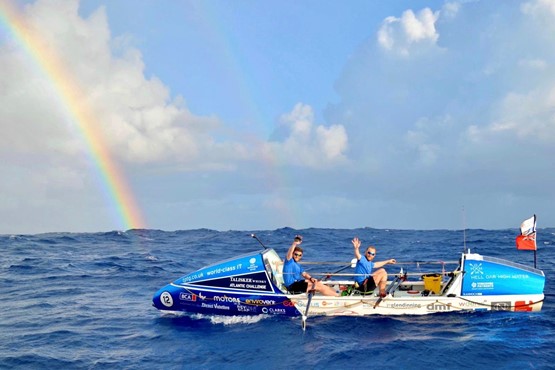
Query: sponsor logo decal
column 247, row 308
column 187, row 297
column 247, row 283
column 223, row 269
column 501, row 306
column 523, row 306
column 253, row 266
column 274, row 311
column 227, row 299
column 403, row 305
column 476, row 269
column 483, row 285
column 260, row 302
column 215, row 306
column 467, row 304
column 192, row 277
column 438, row 307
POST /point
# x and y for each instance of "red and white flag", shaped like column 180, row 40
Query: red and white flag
column 527, row 238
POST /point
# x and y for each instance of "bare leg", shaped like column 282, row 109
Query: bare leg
column 322, row 288
column 380, row 278
column 327, row 290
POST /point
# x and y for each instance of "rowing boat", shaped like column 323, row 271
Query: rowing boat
column 252, row 284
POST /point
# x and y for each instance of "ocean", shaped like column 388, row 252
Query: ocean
column 84, row 301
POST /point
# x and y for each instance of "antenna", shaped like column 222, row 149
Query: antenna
column 256, row 237
column 464, row 230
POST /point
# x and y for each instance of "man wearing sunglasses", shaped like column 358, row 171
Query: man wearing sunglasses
column 295, row 278
column 368, row 281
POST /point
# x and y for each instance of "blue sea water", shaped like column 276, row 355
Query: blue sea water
column 83, row 301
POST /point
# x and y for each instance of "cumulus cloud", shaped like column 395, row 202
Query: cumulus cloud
column 430, row 112
column 131, row 114
column 45, row 146
column 411, row 31
column 538, row 64
column 450, row 10
column 134, row 116
column 450, row 113
column 423, row 140
column 307, row 144
column 528, row 116
column 539, row 7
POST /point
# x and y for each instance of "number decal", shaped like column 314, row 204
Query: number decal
column 166, row 299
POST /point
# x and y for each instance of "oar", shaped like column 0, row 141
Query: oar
column 305, row 316
column 352, row 264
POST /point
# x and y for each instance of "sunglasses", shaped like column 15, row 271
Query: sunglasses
column 371, row 253
column 298, row 254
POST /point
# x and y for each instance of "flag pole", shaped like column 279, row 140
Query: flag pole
column 527, row 240
column 535, row 240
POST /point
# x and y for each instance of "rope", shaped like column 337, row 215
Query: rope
column 372, row 300
column 418, row 263
column 489, row 305
column 324, row 263
column 391, row 274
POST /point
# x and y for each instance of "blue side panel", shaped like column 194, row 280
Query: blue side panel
column 238, row 266
column 193, row 300
column 490, row 278
column 239, row 286
column 257, row 281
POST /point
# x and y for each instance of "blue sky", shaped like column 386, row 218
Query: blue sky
column 251, row 115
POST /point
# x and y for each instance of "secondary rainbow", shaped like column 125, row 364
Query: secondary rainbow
column 71, row 96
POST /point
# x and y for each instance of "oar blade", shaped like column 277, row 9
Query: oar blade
column 305, row 316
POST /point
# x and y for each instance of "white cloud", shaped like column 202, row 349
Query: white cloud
column 144, row 128
column 426, row 129
column 539, row 7
column 132, row 114
column 307, row 144
column 528, row 116
column 427, row 153
column 408, row 33
column 534, row 64
column 450, row 10
column 428, row 139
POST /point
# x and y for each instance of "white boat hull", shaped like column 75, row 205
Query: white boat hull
column 364, row 306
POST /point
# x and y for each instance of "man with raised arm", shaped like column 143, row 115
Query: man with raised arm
column 295, row 278
column 367, row 280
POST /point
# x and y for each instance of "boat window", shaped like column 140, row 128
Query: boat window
column 274, row 267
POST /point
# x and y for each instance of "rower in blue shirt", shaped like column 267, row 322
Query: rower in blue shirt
column 295, row 278
column 368, row 281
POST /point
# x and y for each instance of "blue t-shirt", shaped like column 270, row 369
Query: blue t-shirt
column 363, row 267
column 292, row 272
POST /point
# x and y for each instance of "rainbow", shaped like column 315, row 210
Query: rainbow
column 113, row 179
